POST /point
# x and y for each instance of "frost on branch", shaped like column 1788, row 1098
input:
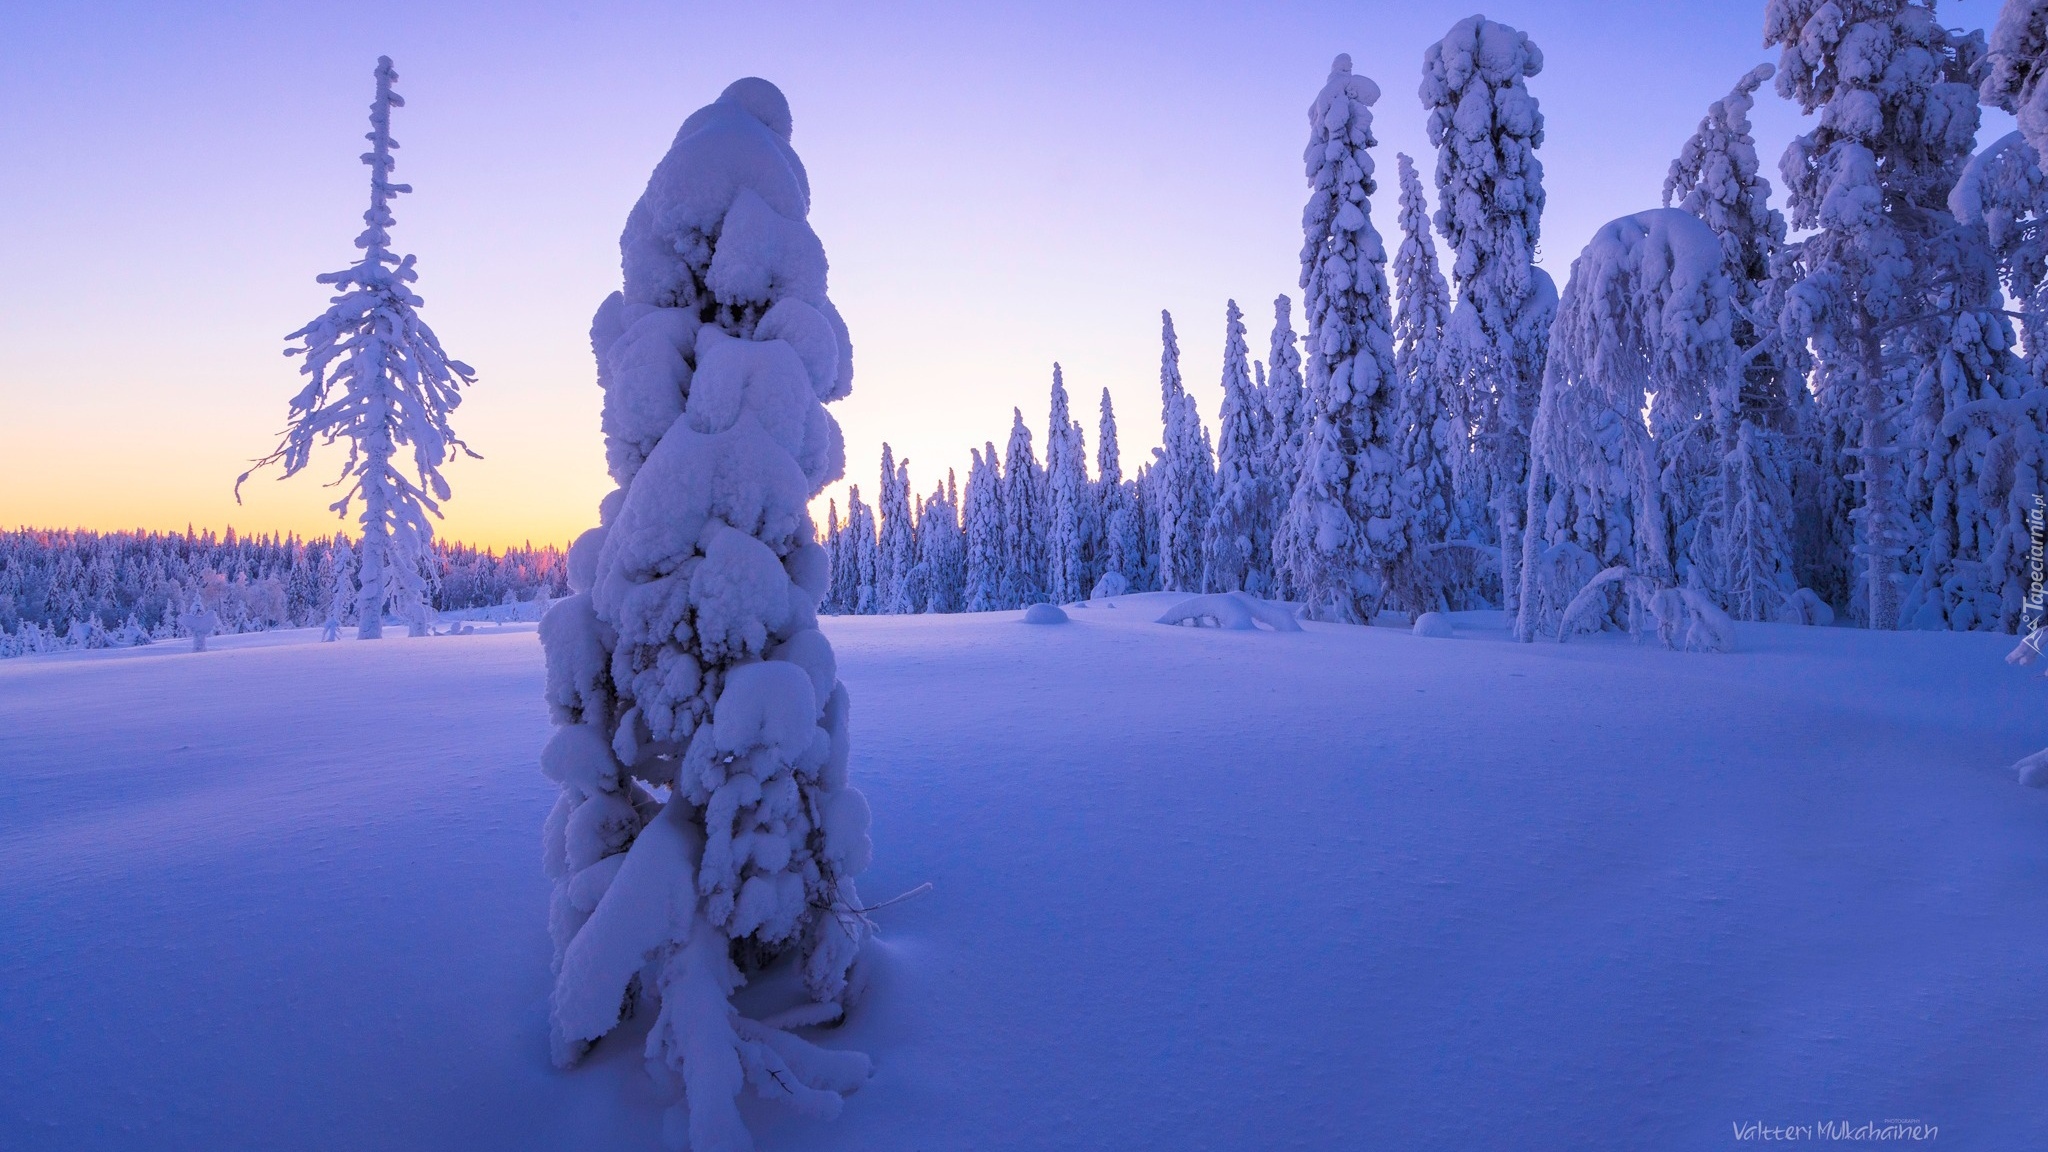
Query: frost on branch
column 706, row 830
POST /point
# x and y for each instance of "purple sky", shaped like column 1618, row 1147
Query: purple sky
column 997, row 187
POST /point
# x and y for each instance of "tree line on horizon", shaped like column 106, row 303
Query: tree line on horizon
column 66, row 589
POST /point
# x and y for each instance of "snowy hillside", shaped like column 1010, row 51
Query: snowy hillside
column 1348, row 888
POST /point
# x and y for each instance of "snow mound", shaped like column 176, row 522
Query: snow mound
column 1111, row 584
column 1234, row 611
column 1435, row 625
column 1045, row 614
column 2034, row 770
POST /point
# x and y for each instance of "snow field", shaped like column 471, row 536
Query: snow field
column 1191, row 889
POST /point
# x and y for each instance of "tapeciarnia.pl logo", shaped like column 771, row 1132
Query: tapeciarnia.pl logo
column 1837, row 1131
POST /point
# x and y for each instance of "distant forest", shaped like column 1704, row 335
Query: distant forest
column 62, row 589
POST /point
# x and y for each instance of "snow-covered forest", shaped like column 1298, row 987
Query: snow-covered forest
column 1820, row 403
column 78, row 590
column 1223, row 801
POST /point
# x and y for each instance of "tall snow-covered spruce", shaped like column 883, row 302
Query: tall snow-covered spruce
column 1429, row 439
column 688, row 662
column 1899, row 302
column 1489, row 183
column 1342, row 531
column 1741, row 545
column 377, row 378
column 1238, row 545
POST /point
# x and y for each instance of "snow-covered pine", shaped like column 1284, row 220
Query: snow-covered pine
column 1429, row 434
column 863, row 554
column 342, row 596
column 1342, row 531
column 897, row 545
column 1179, row 482
column 982, row 516
column 1979, row 415
column 1741, row 549
column 1066, row 500
column 2017, row 64
column 2005, row 192
column 941, row 552
column 1649, row 310
column 1892, row 295
column 1489, row 185
column 1023, row 519
column 835, row 555
column 1123, row 544
column 378, row 378
column 1238, row 543
column 1286, row 400
column 688, row 664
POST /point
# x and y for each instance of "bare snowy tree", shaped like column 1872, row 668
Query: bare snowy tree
column 377, row 378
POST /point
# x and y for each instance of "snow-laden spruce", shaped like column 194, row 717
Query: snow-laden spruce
column 1738, row 534
column 1237, row 545
column 341, row 597
column 1122, row 550
column 982, row 516
column 377, row 378
column 1429, row 435
column 937, row 579
column 1023, row 487
column 1343, row 530
column 1066, row 500
column 2018, row 63
column 1182, row 478
column 2004, row 192
column 688, row 664
column 1648, row 311
column 897, row 548
column 1489, row 184
column 1899, row 304
column 1286, row 400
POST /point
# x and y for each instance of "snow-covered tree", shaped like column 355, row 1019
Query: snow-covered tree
column 1066, row 500
column 1238, row 544
column 706, row 830
column 941, row 552
column 1286, row 398
column 1429, row 434
column 377, row 378
column 1180, row 482
column 1342, row 529
column 2005, row 193
column 1740, row 544
column 1489, row 184
column 897, row 545
column 1024, row 519
column 863, row 556
column 342, row 596
column 1649, row 311
column 2017, row 64
column 987, row 547
column 1895, row 298
column 837, row 588
column 1123, row 544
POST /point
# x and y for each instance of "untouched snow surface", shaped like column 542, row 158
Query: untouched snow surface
column 1192, row 889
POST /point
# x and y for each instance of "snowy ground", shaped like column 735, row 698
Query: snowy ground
column 1192, row 890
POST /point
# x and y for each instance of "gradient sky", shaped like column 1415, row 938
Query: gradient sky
column 998, row 187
